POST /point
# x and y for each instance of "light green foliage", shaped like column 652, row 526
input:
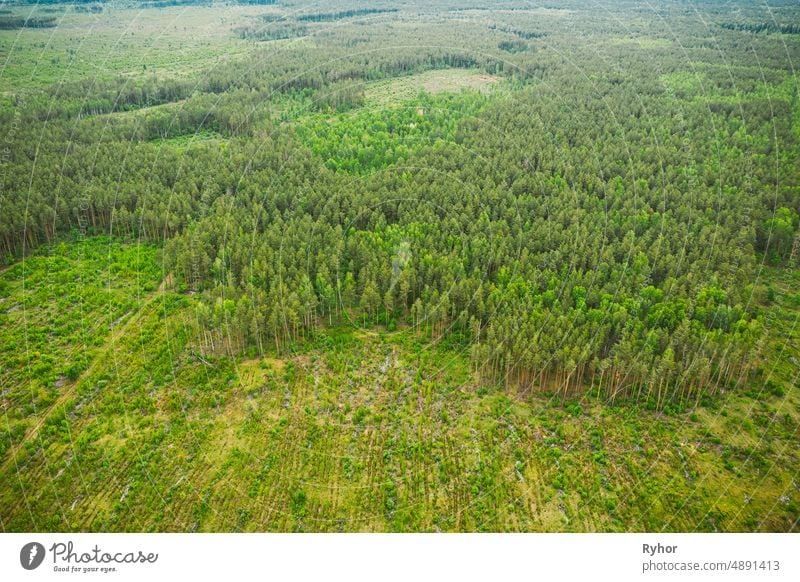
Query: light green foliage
column 367, row 140
column 59, row 309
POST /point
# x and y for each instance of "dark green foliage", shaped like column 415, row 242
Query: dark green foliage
column 762, row 27
column 276, row 31
column 513, row 46
column 9, row 23
column 328, row 16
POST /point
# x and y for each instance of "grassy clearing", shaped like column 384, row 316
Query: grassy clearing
column 363, row 430
column 57, row 308
column 393, row 92
column 120, row 41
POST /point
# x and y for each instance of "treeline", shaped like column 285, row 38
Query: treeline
column 51, row 2
column 523, row 34
column 278, row 31
column 339, row 96
column 328, row 16
column 762, row 27
column 264, row 77
column 91, row 8
column 94, row 97
column 513, row 46
column 269, row 70
column 168, row 3
column 13, row 23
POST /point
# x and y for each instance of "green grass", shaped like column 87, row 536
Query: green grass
column 368, row 430
column 57, row 308
column 394, row 92
column 170, row 42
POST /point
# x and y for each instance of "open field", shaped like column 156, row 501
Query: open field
column 396, row 91
column 168, row 42
column 360, row 429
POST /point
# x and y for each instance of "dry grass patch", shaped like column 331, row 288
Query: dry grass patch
column 401, row 89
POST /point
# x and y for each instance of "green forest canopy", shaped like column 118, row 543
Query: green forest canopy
column 597, row 222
